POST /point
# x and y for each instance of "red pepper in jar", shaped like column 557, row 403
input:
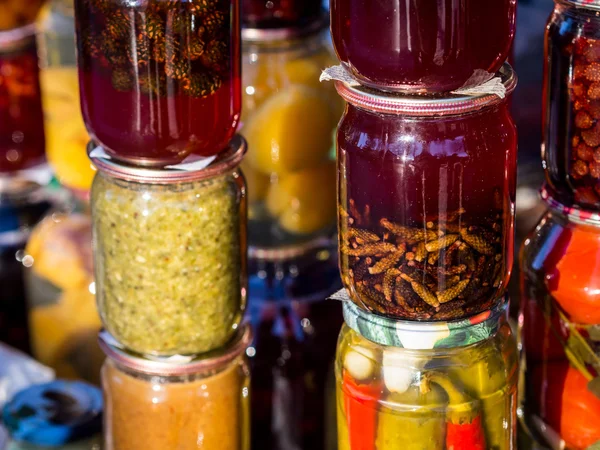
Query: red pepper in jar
column 464, row 430
column 360, row 402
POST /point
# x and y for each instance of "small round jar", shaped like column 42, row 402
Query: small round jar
column 560, row 323
column 260, row 14
column 22, row 141
column 426, row 201
column 290, row 171
column 571, row 147
column 60, row 415
column 159, row 405
column 159, row 80
column 426, row 46
column 170, row 254
column 404, row 385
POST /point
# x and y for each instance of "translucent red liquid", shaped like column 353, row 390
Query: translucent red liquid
column 447, row 184
column 159, row 81
column 279, row 13
column 22, row 142
column 429, row 45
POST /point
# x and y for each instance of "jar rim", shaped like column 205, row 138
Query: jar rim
column 425, row 335
column 591, row 4
column 167, row 366
column 261, row 35
column 227, row 160
column 574, row 213
column 420, row 105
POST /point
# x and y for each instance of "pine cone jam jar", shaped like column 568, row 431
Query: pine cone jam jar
column 159, row 79
column 425, row 45
column 571, row 149
column 426, row 191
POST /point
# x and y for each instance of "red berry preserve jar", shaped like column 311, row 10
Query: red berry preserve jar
column 22, row 141
column 280, row 13
column 159, row 79
column 426, row 193
column 424, row 46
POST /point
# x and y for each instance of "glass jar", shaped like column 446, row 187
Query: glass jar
column 159, row 405
column 170, row 254
column 291, row 357
column 279, row 13
column 290, row 172
column 16, row 14
column 426, row 201
column 59, row 415
column 22, row 141
column 173, row 69
column 404, row 385
column 560, row 324
column 571, row 148
column 424, row 46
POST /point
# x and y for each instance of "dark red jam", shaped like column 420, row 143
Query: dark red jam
column 22, row 142
column 426, row 208
column 279, row 13
column 160, row 80
column 424, row 45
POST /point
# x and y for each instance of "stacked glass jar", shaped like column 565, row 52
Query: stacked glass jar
column 289, row 120
column 560, row 277
column 426, row 157
column 161, row 97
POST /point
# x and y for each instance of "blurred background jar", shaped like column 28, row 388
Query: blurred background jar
column 426, row 386
column 291, row 357
column 560, row 328
column 173, row 67
column 289, row 119
column 280, row 13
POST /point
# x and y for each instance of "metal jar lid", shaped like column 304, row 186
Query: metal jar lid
column 55, row 413
column 425, row 335
column 263, row 35
column 426, row 106
column 177, row 365
column 225, row 161
column 574, row 213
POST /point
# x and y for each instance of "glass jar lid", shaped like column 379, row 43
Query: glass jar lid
column 54, row 413
column 225, row 161
column 419, row 105
column 177, row 365
column 261, row 35
column 425, row 335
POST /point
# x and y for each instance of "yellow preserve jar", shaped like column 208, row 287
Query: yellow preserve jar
column 414, row 386
column 152, row 404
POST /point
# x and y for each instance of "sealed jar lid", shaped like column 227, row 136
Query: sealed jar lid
column 225, row 161
column 177, row 365
column 425, row 335
column 418, row 105
column 574, row 213
column 262, row 35
column 54, row 413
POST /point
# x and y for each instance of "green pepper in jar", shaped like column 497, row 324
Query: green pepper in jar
column 412, row 420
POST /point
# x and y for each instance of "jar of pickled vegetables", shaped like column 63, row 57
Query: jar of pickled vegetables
column 426, row 193
column 60, row 415
column 289, row 121
column 291, row 357
column 154, row 404
column 560, row 328
column 426, row 46
column 406, row 385
column 279, row 13
column 571, row 148
column 170, row 253
column 22, row 141
column 159, row 80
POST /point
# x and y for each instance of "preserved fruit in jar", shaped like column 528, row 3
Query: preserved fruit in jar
column 426, row 386
column 203, row 403
column 170, row 254
column 172, row 67
column 559, row 318
column 290, row 172
column 428, row 46
column 426, row 192
column 572, row 103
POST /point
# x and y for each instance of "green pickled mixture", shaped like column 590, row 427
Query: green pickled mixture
column 168, row 263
